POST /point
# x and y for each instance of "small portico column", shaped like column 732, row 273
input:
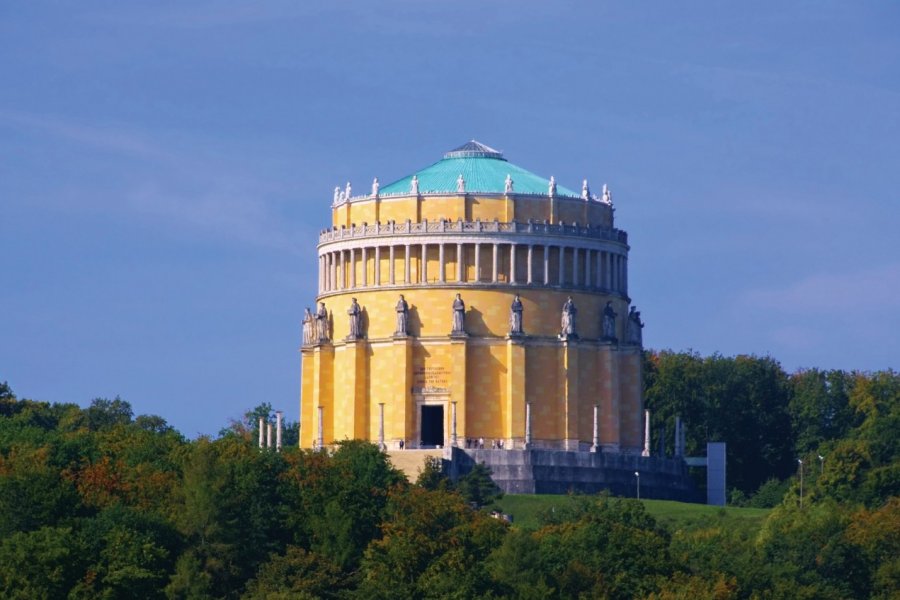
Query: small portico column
column 391, row 265
column 595, row 445
column 587, row 267
column 460, row 263
column 575, row 278
column 477, row 262
column 512, row 263
column 453, row 438
column 441, row 262
column 377, row 281
column 562, row 265
column 362, row 259
column 495, row 257
column 527, row 425
column 546, row 264
column 352, row 268
column 321, row 440
column 381, row 445
column 424, row 263
column 342, row 281
column 406, row 278
column 599, row 281
column 530, row 263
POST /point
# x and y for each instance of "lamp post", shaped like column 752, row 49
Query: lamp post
column 800, row 461
column 637, row 475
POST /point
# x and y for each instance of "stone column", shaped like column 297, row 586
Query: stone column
column 527, row 425
column 595, row 445
column 278, row 415
column 393, row 280
column 646, row 451
column 453, row 439
column 424, row 264
column 625, row 275
column 530, row 263
column 477, row 262
column 352, row 277
column 381, row 426
column 587, row 267
column 342, row 281
column 512, row 263
column 575, row 278
column 599, row 282
column 377, row 280
column 261, row 432
column 562, row 266
column 460, row 263
column 406, row 278
column 320, row 442
column 365, row 267
column 268, row 435
column 441, row 262
column 495, row 257
column 546, row 265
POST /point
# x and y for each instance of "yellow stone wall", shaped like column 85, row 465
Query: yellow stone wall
column 487, row 375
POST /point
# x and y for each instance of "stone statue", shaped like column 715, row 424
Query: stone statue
column 508, row 184
column 515, row 317
column 585, row 190
column 308, row 325
column 568, row 319
column 552, row 190
column 347, row 191
column 402, row 317
column 375, row 187
column 460, row 184
column 355, row 320
column 609, row 323
column 633, row 334
column 459, row 316
column 321, row 323
column 414, row 185
column 337, row 194
column 607, row 195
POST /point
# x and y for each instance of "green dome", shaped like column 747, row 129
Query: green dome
column 483, row 169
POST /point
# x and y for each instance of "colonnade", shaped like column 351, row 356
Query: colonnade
column 492, row 262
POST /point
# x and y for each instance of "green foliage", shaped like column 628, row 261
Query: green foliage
column 98, row 503
column 739, row 400
column 432, row 476
column 477, row 487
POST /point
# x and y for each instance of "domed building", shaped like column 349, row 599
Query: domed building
column 473, row 301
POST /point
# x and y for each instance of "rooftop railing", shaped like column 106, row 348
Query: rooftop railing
column 477, row 226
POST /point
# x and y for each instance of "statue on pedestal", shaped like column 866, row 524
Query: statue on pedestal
column 347, row 191
column 460, row 184
column 633, row 334
column 585, row 190
column 607, row 195
column 459, row 316
column 375, row 186
column 321, row 323
column 414, row 185
column 308, row 325
column 402, row 318
column 515, row 317
column 337, row 194
column 609, row 323
column 568, row 319
column 355, row 320
column 552, row 189
column 508, row 184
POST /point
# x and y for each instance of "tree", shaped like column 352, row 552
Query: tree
column 477, row 487
column 104, row 413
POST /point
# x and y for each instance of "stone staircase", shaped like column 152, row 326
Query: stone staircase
column 411, row 461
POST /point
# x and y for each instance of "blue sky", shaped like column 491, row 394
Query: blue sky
column 165, row 166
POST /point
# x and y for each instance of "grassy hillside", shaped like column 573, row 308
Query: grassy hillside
column 672, row 515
